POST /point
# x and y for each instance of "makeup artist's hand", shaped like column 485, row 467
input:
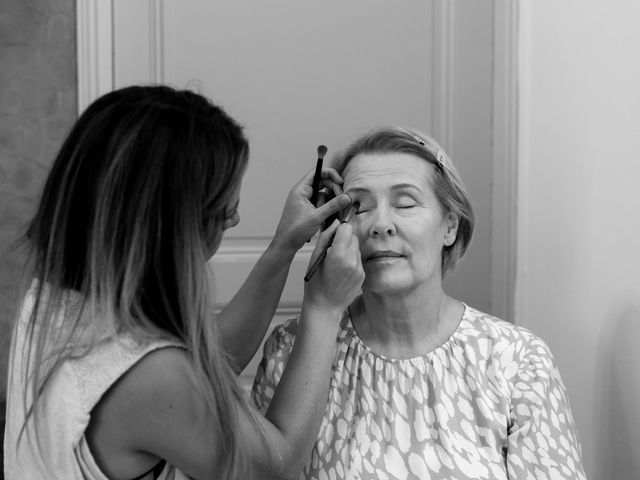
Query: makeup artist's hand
column 300, row 219
column 339, row 277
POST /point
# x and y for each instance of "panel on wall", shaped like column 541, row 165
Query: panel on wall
column 299, row 75
column 295, row 75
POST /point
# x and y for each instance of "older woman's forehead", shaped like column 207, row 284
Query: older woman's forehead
column 387, row 168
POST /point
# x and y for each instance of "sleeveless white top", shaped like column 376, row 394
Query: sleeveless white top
column 72, row 392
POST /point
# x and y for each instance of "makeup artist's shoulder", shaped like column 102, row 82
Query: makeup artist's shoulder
column 166, row 371
column 156, row 407
column 158, row 388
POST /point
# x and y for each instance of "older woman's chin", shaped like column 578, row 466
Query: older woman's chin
column 386, row 284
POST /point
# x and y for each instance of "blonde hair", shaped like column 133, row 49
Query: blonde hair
column 132, row 206
column 446, row 183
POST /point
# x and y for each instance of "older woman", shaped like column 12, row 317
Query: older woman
column 424, row 386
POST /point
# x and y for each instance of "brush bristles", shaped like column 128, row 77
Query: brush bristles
column 322, row 151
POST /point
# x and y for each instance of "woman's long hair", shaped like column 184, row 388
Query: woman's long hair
column 130, row 213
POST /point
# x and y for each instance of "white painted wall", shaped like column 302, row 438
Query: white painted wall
column 579, row 214
column 468, row 142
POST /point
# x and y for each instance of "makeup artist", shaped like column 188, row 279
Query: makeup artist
column 423, row 385
column 118, row 367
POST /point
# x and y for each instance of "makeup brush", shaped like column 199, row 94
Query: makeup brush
column 322, row 151
column 352, row 209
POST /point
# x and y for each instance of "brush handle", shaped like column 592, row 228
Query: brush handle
column 353, row 209
column 319, row 260
column 316, row 182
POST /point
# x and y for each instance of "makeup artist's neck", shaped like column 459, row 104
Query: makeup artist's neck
column 407, row 324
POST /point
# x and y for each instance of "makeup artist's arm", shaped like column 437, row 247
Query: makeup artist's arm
column 161, row 394
column 294, row 414
column 245, row 319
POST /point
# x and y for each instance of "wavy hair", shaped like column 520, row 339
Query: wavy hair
column 445, row 181
column 130, row 212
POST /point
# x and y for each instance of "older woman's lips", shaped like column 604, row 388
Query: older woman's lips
column 383, row 255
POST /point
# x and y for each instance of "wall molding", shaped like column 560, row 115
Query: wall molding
column 96, row 42
column 156, row 40
column 505, row 158
column 504, row 133
column 241, row 251
column 236, row 257
column 442, row 27
column 94, row 50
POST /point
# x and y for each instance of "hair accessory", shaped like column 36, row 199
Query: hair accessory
column 440, row 157
column 416, row 138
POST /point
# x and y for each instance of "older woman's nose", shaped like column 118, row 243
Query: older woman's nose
column 383, row 224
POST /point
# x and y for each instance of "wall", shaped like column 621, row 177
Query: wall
column 579, row 204
column 469, row 144
column 37, row 106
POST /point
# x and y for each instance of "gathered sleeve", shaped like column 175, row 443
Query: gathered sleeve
column 275, row 356
column 542, row 441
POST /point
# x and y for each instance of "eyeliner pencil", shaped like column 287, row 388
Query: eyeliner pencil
column 353, row 209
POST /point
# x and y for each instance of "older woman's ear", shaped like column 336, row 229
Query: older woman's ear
column 451, row 221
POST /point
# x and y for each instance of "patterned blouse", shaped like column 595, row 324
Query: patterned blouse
column 488, row 403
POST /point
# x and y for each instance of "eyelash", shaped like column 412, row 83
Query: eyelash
column 402, row 207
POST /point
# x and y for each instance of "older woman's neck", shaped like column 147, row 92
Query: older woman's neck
column 408, row 324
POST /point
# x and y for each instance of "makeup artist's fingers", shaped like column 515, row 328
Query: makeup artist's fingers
column 328, row 173
column 332, row 180
column 344, row 236
column 328, row 178
column 332, row 207
column 300, row 220
column 324, row 239
column 334, row 187
column 323, row 196
column 337, row 189
column 340, row 275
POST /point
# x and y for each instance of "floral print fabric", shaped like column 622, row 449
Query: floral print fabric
column 488, row 403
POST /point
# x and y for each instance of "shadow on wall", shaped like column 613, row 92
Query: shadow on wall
column 618, row 401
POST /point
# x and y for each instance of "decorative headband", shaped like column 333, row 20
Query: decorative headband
column 440, row 156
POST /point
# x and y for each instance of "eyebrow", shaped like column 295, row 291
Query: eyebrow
column 396, row 187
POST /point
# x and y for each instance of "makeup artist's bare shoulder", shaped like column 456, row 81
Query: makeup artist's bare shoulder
column 159, row 394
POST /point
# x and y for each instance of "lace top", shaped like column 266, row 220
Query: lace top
column 488, row 403
column 74, row 389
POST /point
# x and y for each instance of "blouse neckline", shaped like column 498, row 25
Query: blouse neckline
column 446, row 344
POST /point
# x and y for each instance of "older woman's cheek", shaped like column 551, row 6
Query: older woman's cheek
column 360, row 232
